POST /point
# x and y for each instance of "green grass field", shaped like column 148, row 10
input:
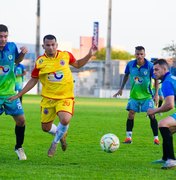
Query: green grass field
column 84, row 158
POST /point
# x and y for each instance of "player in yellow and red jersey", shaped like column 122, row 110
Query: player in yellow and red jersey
column 53, row 71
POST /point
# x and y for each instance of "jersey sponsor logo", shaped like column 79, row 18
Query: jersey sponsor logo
column 55, row 76
column 4, row 70
column 138, row 80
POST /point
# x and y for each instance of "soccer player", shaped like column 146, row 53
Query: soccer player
column 53, row 71
column 9, row 55
column 160, row 94
column 168, row 124
column 20, row 72
column 140, row 72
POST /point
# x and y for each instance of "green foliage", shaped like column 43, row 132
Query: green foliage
column 171, row 49
column 115, row 54
column 84, row 158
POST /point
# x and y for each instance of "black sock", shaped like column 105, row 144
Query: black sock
column 154, row 125
column 160, row 103
column 168, row 149
column 19, row 131
column 129, row 124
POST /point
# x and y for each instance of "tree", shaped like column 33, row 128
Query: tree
column 171, row 49
column 115, row 54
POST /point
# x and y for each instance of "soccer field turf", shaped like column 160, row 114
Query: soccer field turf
column 84, row 158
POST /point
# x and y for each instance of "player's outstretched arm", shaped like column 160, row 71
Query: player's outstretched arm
column 30, row 84
column 81, row 62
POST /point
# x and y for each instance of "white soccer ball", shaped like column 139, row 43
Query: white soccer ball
column 109, row 143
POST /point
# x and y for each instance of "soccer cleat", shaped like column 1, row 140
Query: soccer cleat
column 52, row 149
column 63, row 142
column 159, row 161
column 156, row 141
column 128, row 141
column 21, row 154
column 169, row 164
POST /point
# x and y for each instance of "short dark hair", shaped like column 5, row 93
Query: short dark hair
column 50, row 37
column 153, row 60
column 3, row 28
column 139, row 48
column 161, row 62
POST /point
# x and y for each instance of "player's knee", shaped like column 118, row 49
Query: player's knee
column 131, row 115
column 20, row 121
column 65, row 121
column 45, row 128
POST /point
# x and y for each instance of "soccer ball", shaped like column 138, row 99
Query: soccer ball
column 109, row 143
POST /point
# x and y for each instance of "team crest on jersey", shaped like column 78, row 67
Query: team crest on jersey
column 40, row 61
column 55, row 76
column 62, row 62
column 138, row 80
column 145, row 72
column 45, row 111
column 4, row 70
column 10, row 57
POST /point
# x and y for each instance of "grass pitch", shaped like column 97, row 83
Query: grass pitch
column 84, row 158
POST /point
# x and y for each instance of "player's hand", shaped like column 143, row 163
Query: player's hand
column 13, row 98
column 93, row 50
column 24, row 50
column 119, row 93
column 156, row 99
column 150, row 112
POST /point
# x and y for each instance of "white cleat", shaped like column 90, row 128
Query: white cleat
column 21, row 154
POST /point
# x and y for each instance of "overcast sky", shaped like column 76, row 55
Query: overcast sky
column 151, row 23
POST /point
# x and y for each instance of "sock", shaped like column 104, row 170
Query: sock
column 154, row 125
column 129, row 134
column 129, row 127
column 155, row 137
column 168, row 150
column 53, row 129
column 129, row 124
column 19, row 131
column 61, row 129
column 160, row 103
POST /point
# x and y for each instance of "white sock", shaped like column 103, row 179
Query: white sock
column 129, row 134
column 155, row 137
column 53, row 129
column 61, row 129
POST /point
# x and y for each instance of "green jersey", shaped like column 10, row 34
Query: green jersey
column 140, row 79
column 7, row 76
